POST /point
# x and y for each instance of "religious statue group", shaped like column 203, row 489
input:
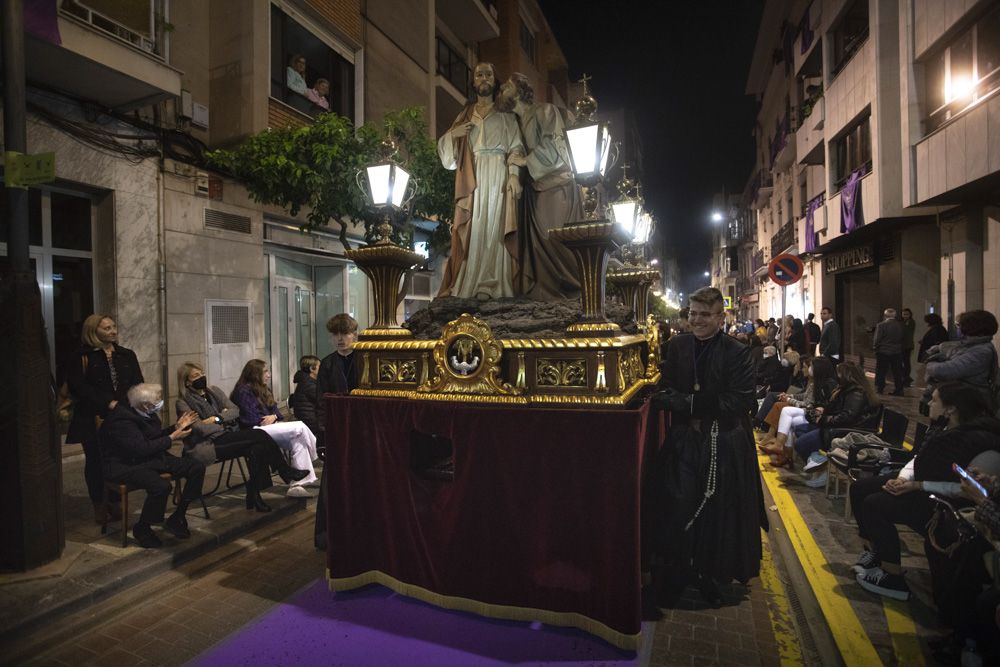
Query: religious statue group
column 513, row 184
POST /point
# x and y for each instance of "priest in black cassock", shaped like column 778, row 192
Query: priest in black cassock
column 710, row 505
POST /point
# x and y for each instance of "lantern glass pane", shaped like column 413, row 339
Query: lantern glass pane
column 582, row 146
column 378, row 183
column 624, row 214
column 399, row 186
column 605, row 147
column 642, row 229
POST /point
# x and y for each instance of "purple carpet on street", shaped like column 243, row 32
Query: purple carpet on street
column 375, row 626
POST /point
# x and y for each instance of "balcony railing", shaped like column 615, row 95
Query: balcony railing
column 757, row 261
column 140, row 23
column 452, row 66
column 783, row 239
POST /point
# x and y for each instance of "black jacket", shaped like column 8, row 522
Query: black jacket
column 130, row 439
column 934, row 336
column 958, row 445
column 829, row 339
column 850, row 408
column 768, row 371
column 814, row 332
column 333, row 380
column 304, row 400
column 90, row 384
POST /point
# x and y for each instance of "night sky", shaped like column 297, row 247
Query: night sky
column 681, row 69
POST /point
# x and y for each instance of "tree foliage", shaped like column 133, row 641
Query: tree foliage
column 315, row 168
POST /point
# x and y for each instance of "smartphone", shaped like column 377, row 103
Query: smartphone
column 962, row 472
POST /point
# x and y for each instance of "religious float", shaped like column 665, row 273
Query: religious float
column 496, row 467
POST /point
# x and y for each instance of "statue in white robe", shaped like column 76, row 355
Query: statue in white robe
column 483, row 239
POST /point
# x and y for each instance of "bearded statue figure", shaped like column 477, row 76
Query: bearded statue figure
column 547, row 269
column 484, row 148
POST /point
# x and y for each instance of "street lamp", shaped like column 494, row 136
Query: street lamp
column 716, row 216
column 707, row 274
column 589, row 144
column 590, row 239
column 625, row 210
column 386, row 187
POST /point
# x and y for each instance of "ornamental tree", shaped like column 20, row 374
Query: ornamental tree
column 315, row 167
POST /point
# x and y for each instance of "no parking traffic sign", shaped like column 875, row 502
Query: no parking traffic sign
column 785, row 270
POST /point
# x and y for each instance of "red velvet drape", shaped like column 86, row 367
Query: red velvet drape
column 543, row 512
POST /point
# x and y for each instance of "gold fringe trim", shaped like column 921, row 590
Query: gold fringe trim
column 505, row 612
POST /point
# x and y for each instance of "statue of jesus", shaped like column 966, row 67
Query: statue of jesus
column 479, row 146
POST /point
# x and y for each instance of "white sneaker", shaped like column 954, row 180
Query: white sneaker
column 816, row 460
column 298, row 491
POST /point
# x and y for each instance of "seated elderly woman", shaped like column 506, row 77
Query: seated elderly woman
column 258, row 410
column 134, row 450
column 216, row 435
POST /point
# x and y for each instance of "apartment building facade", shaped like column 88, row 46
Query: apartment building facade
column 852, row 98
column 129, row 95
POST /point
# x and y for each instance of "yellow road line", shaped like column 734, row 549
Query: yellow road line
column 779, row 610
column 852, row 641
column 903, row 631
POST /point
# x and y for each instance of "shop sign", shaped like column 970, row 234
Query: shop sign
column 861, row 257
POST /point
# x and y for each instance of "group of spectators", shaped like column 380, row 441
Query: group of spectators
column 117, row 418
column 311, row 99
column 811, row 400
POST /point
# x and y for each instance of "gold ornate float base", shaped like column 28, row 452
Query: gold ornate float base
column 467, row 364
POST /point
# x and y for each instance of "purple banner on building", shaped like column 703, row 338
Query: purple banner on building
column 41, row 19
column 850, row 204
column 805, row 32
column 810, row 240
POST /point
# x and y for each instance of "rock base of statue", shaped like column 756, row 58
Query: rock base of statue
column 512, row 317
column 511, row 351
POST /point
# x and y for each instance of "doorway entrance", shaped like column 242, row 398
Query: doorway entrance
column 859, row 311
column 305, row 292
column 60, row 237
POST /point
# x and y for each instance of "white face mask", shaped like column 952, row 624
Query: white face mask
column 810, row 371
column 154, row 408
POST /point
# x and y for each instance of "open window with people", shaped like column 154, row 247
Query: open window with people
column 307, row 72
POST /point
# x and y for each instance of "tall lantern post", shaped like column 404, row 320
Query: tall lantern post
column 388, row 189
column 592, row 238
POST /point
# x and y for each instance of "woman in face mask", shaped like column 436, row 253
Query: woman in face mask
column 217, row 436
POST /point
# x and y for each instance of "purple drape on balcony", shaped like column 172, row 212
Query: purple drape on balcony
column 810, row 241
column 41, row 19
column 850, row 204
column 805, row 32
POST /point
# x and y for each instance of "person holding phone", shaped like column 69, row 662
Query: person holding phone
column 963, row 427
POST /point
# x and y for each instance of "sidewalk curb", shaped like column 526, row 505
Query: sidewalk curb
column 139, row 569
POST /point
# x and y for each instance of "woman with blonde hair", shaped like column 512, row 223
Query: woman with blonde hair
column 99, row 377
column 217, row 435
column 258, row 410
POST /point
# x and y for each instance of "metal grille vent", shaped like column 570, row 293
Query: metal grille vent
column 885, row 250
column 228, row 221
column 230, row 324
